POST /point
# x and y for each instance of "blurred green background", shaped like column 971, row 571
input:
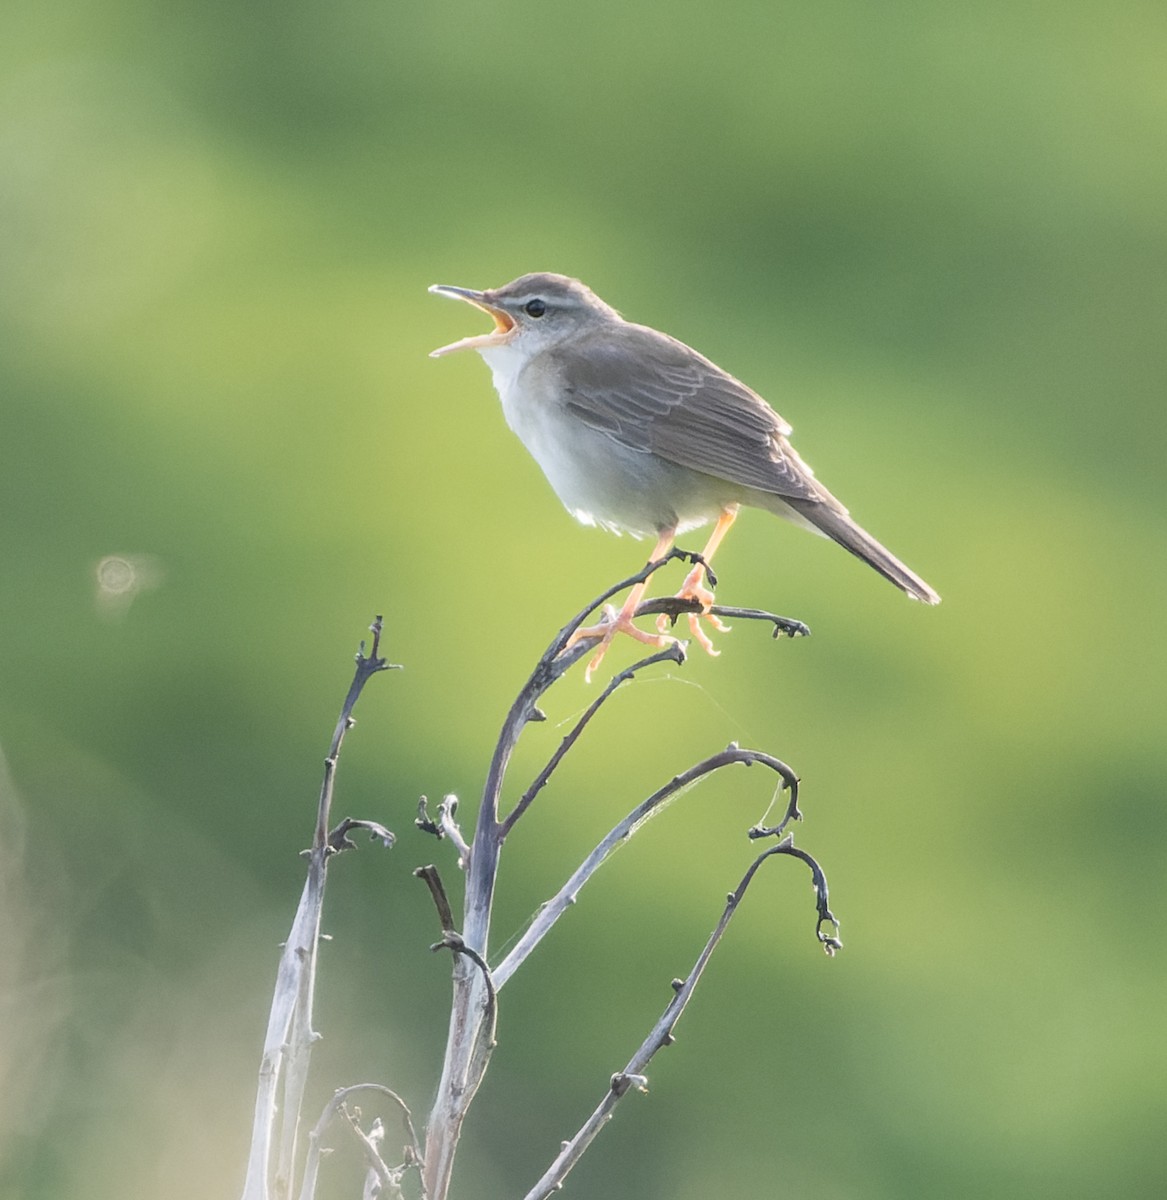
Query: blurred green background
column 934, row 236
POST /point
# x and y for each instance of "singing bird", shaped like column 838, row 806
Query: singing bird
column 638, row 433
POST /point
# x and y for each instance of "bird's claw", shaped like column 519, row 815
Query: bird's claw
column 694, row 589
column 612, row 623
column 664, row 621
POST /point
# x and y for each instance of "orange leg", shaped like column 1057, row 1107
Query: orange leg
column 694, row 586
column 621, row 622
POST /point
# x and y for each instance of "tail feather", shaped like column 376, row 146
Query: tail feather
column 836, row 524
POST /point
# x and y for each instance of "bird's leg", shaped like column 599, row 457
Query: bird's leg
column 621, row 622
column 694, row 586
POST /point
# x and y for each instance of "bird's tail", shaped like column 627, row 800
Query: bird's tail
column 836, row 524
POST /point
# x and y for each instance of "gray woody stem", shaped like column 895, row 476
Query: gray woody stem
column 550, row 912
column 467, row 1049
column 465, row 1060
column 288, row 1042
column 339, row 1104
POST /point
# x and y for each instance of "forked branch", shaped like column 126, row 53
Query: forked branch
column 672, row 653
column 339, row 1105
column 290, row 1036
column 474, row 1009
column 550, row 912
column 473, row 1000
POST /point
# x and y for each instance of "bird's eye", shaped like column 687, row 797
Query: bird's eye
column 534, row 308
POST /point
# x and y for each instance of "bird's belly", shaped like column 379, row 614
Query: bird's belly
column 602, row 482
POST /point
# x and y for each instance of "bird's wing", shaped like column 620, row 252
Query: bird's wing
column 654, row 394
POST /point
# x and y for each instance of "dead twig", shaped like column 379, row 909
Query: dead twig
column 339, row 1104
column 550, row 912
column 633, row 1075
column 470, row 1007
column 288, row 1042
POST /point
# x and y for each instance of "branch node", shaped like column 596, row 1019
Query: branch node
column 694, row 559
column 450, row 827
column 623, row 1081
column 373, row 660
column 451, row 940
column 339, row 840
column 425, row 822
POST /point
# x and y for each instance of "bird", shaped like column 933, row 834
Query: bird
column 639, row 433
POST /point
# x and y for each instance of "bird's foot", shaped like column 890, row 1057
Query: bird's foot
column 694, row 589
column 613, row 623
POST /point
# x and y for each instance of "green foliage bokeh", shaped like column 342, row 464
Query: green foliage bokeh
column 934, row 236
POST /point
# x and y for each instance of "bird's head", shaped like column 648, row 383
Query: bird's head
column 531, row 313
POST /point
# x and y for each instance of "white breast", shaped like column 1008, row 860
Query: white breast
column 505, row 362
column 599, row 481
column 531, row 408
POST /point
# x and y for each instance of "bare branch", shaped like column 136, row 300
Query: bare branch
column 338, row 1103
column 474, row 1010
column 792, row 813
column 289, row 1038
column 830, row 942
column 451, row 828
column 550, row 912
column 472, row 1004
column 339, row 840
column 484, row 1039
column 676, row 606
column 424, row 821
column 671, row 653
column 632, row 1076
column 380, row 1179
column 649, row 569
column 453, row 941
column 429, row 875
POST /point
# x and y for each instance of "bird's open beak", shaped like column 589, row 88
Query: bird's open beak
column 503, row 325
